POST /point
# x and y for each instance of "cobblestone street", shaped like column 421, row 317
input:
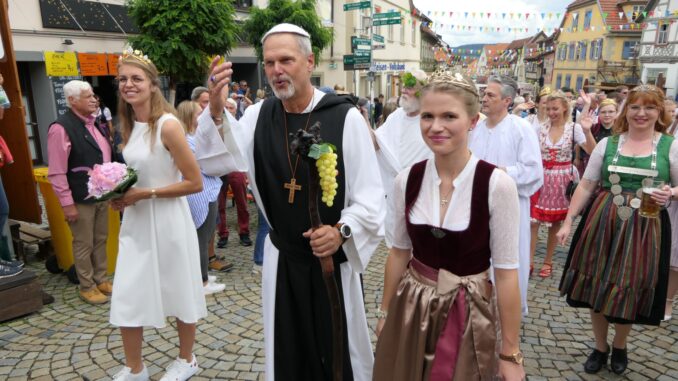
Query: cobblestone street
column 71, row 340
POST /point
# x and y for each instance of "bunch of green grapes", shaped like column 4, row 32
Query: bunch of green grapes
column 327, row 168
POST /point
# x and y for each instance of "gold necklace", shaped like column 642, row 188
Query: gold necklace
column 446, row 199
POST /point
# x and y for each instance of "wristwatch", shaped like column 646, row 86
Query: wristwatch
column 344, row 231
column 516, row 358
column 153, row 194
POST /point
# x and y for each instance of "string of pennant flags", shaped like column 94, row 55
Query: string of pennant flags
column 536, row 15
column 440, row 27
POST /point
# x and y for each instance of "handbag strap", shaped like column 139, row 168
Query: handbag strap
column 572, row 154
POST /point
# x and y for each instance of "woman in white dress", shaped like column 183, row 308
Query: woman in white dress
column 157, row 273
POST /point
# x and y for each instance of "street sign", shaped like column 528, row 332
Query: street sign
column 386, row 22
column 378, row 38
column 386, row 15
column 355, row 41
column 362, row 53
column 358, row 5
column 352, row 62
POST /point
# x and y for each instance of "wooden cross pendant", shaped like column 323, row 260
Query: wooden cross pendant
column 293, row 187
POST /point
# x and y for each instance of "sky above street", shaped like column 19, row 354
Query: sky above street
column 463, row 28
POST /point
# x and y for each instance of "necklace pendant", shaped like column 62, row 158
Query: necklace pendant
column 443, row 202
column 293, row 187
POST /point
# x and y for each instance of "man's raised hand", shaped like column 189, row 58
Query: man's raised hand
column 220, row 76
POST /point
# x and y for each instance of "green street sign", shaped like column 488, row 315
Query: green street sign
column 378, row 38
column 362, row 53
column 355, row 41
column 386, row 15
column 358, row 5
column 352, row 62
column 386, row 22
column 350, row 59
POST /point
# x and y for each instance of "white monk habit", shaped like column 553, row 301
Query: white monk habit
column 400, row 145
column 364, row 211
column 513, row 144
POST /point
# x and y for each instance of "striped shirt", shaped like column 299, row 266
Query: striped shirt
column 199, row 202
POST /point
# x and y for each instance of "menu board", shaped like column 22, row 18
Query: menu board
column 61, row 64
column 92, row 64
column 113, row 64
column 58, row 87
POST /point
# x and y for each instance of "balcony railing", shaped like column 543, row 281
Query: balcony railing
column 659, row 51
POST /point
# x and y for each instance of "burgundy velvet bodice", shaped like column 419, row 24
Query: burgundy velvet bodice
column 464, row 252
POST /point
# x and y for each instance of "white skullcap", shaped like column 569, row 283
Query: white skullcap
column 286, row 28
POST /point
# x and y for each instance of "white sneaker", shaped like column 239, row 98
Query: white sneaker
column 125, row 374
column 256, row 269
column 211, row 279
column 180, row 370
column 212, row 288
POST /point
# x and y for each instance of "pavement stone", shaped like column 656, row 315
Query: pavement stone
column 70, row 340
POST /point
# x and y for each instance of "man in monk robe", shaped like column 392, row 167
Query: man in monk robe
column 297, row 319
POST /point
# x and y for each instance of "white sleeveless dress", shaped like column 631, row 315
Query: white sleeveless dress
column 157, row 274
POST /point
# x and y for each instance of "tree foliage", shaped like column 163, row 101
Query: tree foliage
column 301, row 13
column 179, row 36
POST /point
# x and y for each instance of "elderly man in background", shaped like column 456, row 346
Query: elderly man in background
column 201, row 96
column 510, row 143
column 74, row 145
column 398, row 141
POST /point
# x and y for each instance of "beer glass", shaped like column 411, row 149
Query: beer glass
column 648, row 207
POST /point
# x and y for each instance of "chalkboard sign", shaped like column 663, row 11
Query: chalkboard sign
column 165, row 86
column 59, row 99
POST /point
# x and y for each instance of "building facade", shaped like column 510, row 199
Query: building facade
column 659, row 45
column 597, row 45
column 98, row 28
column 400, row 51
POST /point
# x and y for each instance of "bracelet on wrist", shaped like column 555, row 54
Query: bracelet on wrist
column 381, row 314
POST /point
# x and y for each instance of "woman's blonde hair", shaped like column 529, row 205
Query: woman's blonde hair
column 608, row 102
column 646, row 94
column 159, row 105
column 456, row 85
column 560, row 96
column 185, row 112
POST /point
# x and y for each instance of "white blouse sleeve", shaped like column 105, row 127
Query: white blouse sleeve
column 401, row 239
column 579, row 137
column 504, row 229
column 673, row 162
column 595, row 165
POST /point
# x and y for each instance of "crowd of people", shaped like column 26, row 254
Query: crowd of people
column 440, row 172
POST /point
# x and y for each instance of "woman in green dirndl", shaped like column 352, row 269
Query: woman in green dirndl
column 618, row 262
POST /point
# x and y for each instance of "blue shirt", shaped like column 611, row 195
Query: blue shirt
column 199, row 202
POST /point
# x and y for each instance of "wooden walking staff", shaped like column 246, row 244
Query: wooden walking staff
column 301, row 144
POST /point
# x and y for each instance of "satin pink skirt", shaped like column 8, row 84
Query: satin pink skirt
column 439, row 327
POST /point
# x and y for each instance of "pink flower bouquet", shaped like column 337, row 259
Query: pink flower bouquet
column 110, row 180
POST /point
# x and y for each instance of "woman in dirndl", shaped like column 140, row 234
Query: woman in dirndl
column 452, row 215
column 618, row 263
column 557, row 138
column 673, row 215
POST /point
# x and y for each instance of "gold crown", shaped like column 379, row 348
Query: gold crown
column 136, row 54
column 456, row 79
column 545, row 91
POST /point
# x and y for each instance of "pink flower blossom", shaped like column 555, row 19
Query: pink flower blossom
column 104, row 178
